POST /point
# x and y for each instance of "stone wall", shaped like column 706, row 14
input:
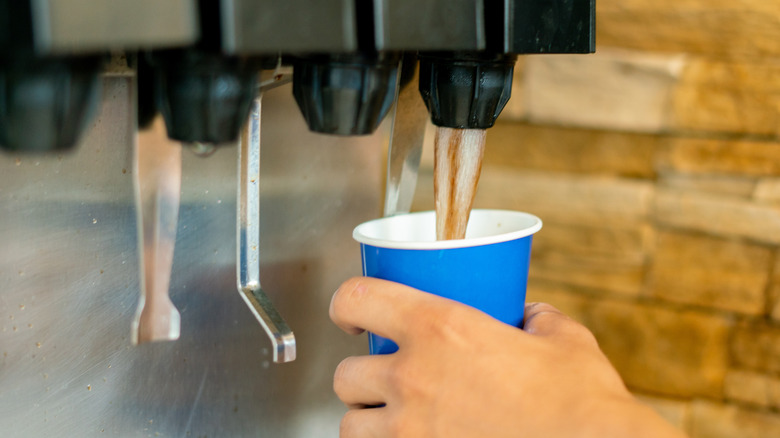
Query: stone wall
column 655, row 166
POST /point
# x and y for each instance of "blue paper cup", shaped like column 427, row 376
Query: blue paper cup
column 487, row 270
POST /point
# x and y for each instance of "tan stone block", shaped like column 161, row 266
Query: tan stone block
column 767, row 190
column 658, row 350
column 620, row 278
column 423, row 194
column 720, row 156
column 565, row 198
column 733, row 111
column 426, row 160
column 714, row 420
column 750, row 74
column 710, row 272
column 732, row 97
column 663, row 351
column 617, row 90
column 515, row 108
column 674, row 411
column 732, row 185
column 753, row 388
column 721, row 215
column 571, row 301
column 558, row 149
column 774, row 297
column 716, row 28
column 774, row 290
column 756, row 346
column 627, row 246
column 555, row 197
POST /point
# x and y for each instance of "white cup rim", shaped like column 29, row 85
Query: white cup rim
column 519, row 224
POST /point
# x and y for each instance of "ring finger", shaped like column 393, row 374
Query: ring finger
column 362, row 381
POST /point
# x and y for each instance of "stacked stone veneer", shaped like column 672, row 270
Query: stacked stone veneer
column 655, row 166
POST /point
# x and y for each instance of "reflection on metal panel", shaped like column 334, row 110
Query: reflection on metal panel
column 430, row 24
column 271, row 26
column 67, row 26
column 69, row 286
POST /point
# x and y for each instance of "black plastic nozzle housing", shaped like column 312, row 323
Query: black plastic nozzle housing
column 203, row 96
column 345, row 94
column 466, row 90
column 46, row 103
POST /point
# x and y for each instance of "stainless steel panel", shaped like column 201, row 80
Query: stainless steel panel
column 69, row 286
column 88, row 25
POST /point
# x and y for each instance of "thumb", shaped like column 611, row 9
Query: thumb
column 542, row 319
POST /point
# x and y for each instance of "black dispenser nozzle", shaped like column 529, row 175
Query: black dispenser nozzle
column 345, row 94
column 46, row 103
column 466, row 90
column 203, row 97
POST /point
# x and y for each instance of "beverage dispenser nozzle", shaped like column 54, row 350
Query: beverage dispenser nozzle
column 349, row 90
column 203, row 95
column 46, row 100
column 345, row 94
column 466, row 90
column 46, row 103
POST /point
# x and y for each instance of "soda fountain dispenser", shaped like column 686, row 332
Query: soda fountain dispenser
column 101, row 104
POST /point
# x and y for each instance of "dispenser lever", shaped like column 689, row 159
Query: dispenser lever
column 248, row 231
column 406, row 141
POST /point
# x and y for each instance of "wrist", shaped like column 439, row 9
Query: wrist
column 623, row 416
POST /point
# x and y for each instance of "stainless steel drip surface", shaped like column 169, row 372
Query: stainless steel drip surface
column 158, row 191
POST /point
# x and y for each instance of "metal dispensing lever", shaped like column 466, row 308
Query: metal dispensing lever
column 248, row 233
column 406, row 140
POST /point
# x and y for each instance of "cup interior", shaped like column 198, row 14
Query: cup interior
column 418, row 230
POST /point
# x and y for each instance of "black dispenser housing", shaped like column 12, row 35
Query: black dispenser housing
column 199, row 69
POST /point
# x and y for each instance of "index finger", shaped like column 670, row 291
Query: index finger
column 380, row 306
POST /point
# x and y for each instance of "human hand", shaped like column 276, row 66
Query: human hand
column 461, row 373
